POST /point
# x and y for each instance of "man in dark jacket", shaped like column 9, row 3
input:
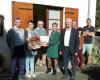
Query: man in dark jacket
column 69, row 46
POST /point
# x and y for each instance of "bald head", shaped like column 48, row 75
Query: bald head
column 68, row 22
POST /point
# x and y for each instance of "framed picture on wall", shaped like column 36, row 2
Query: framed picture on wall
column 1, row 24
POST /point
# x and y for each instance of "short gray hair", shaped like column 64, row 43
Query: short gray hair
column 68, row 19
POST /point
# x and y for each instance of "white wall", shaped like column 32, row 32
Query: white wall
column 93, row 11
column 5, row 9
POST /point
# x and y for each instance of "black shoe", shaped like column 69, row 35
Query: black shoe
column 72, row 78
column 13, row 77
column 64, row 77
column 62, row 71
column 48, row 70
column 54, row 72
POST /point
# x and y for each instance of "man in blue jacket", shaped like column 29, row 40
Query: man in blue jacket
column 16, row 42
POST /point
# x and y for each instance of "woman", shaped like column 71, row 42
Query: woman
column 80, row 55
column 30, row 53
column 52, row 51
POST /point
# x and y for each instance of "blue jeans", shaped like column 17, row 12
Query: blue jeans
column 30, row 62
column 21, row 62
column 18, row 58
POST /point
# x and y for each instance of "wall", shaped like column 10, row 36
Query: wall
column 5, row 9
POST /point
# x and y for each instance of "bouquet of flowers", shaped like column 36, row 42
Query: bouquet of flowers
column 34, row 42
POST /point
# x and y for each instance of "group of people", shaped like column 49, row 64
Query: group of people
column 63, row 48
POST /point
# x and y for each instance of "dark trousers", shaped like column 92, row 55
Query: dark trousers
column 68, row 57
column 61, row 66
column 18, row 60
column 80, row 57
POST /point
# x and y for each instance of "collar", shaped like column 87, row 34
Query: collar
column 89, row 26
column 68, row 29
column 16, row 28
column 40, row 28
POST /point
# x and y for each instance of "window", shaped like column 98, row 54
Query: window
column 54, row 15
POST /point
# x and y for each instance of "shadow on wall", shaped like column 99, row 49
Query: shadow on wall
column 4, row 50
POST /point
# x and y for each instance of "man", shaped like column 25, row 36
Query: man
column 16, row 43
column 74, row 24
column 88, row 33
column 40, row 30
column 69, row 46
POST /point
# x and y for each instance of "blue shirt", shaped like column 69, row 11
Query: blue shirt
column 29, row 34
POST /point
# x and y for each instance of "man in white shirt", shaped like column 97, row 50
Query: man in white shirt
column 69, row 47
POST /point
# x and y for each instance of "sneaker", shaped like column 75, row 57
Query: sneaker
column 33, row 75
column 28, row 75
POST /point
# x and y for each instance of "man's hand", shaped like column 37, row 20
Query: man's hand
column 31, row 46
column 84, row 33
column 76, row 54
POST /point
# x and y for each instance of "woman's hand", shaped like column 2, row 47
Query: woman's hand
column 60, row 52
column 31, row 46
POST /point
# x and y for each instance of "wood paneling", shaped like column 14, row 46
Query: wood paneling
column 22, row 10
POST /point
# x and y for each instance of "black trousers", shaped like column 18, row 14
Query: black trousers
column 68, row 57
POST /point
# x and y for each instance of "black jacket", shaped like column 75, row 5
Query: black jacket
column 73, row 42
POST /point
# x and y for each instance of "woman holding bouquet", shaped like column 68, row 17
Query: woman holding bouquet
column 52, row 51
column 30, row 53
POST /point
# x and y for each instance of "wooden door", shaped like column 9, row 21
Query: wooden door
column 54, row 14
column 72, row 13
column 22, row 10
